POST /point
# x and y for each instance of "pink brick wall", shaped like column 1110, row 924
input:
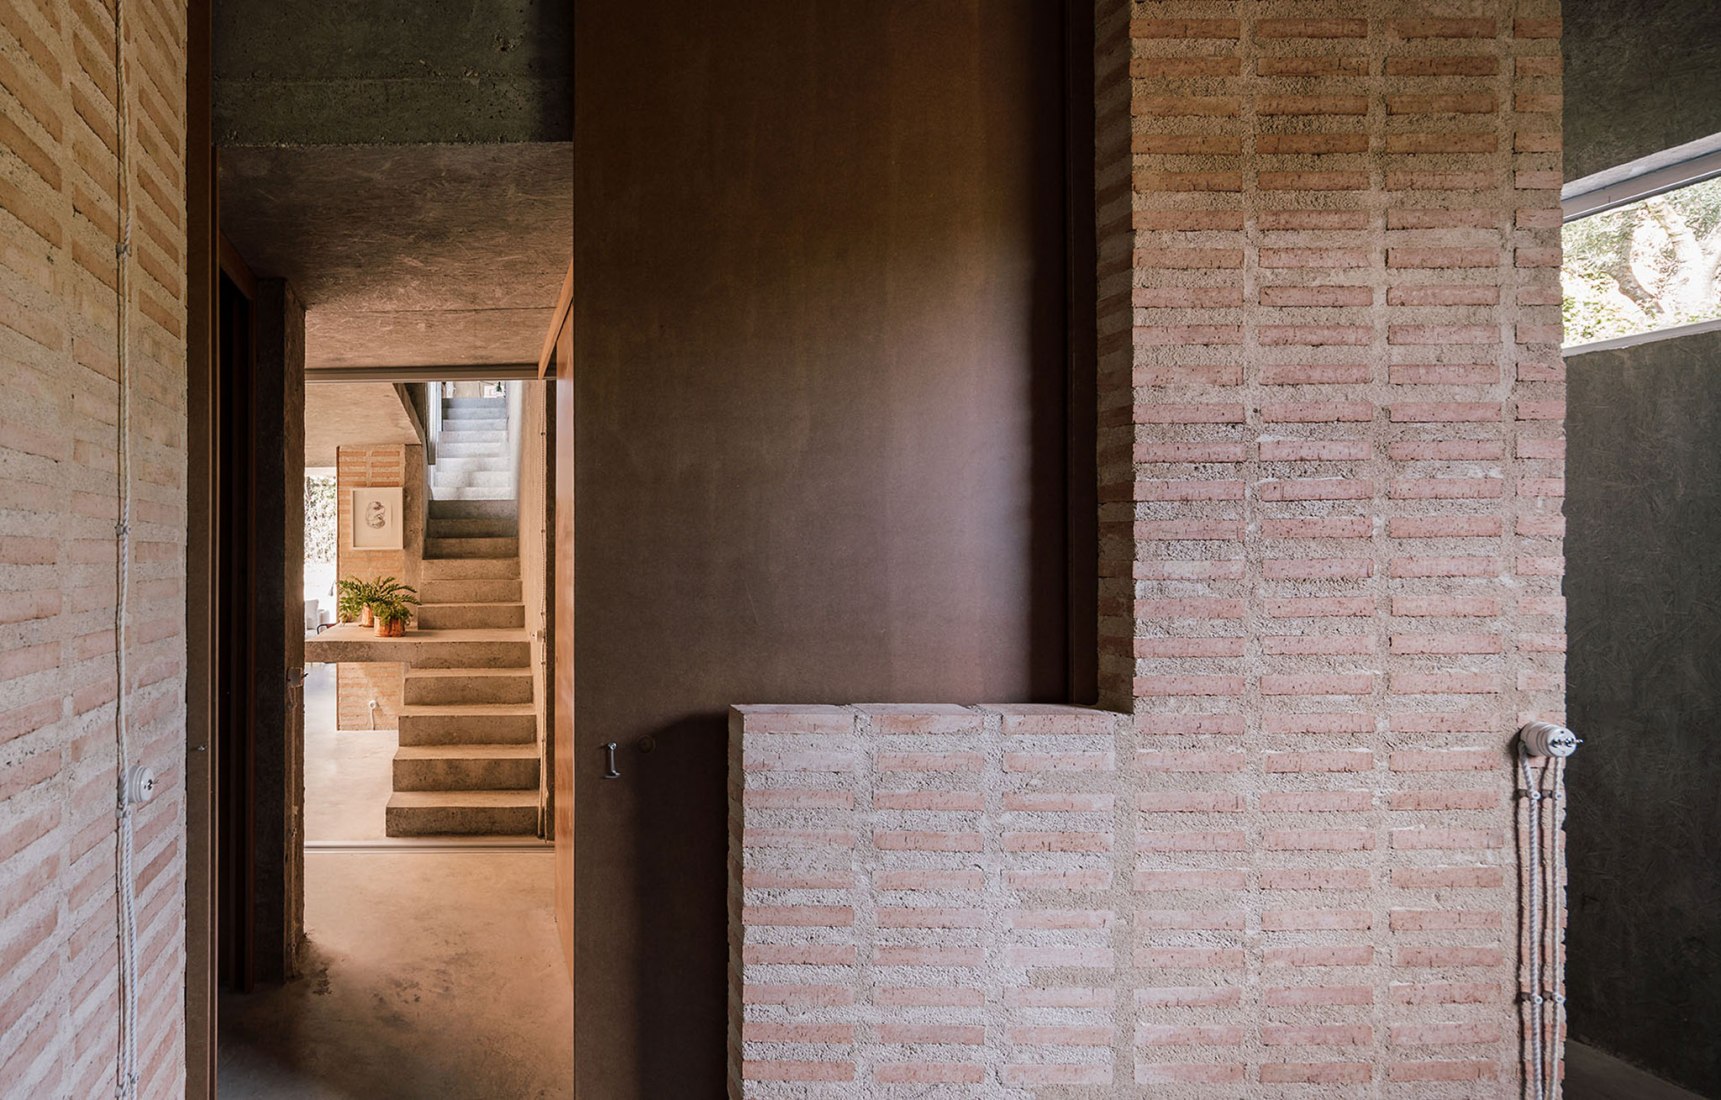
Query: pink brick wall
column 1331, row 477
column 369, row 466
column 59, row 220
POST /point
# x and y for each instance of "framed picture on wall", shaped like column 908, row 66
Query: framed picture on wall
column 376, row 519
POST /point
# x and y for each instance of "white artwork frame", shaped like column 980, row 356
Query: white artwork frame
column 375, row 519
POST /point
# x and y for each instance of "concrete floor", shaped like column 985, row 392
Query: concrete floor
column 348, row 773
column 1592, row 1075
column 428, row 973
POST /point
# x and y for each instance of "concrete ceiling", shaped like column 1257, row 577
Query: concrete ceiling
column 385, row 72
column 344, row 414
column 407, row 255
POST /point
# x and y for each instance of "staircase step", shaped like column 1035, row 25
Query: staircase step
column 498, row 477
column 462, row 813
column 481, row 590
column 419, row 648
column 469, row 569
column 474, row 403
column 488, row 767
column 449, row 446
column 470, row 616
column 481, row 492
column 442, row 508
column 464, row 464
column 472, row 548
column 469, row 724
column 437, row 686
column 481, row 527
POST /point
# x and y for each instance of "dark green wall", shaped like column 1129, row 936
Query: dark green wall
column 392, row 72
column 1643, row 583
column 1641, row 76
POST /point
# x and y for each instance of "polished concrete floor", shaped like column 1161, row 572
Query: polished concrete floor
column 1592, row 1075
column 429, row 972
column 348, row 773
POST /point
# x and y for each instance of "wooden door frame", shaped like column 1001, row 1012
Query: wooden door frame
column 201, row 592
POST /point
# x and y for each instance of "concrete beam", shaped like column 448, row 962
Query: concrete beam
column 387, row 72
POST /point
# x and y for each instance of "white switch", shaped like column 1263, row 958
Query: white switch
column 1547, row 739
column 139, row 784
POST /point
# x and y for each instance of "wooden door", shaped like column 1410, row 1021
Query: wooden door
column 820, row 390
column 563, row 595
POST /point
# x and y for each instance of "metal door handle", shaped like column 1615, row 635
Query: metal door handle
column 609, row 761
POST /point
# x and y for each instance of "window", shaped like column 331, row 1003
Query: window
column 1651, row 264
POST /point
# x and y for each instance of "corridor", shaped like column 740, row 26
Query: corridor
column 430, row 971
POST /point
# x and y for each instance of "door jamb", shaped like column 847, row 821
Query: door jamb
column 201, row 594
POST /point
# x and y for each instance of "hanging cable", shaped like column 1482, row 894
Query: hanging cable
column 126, row 1071
column 1543, row 995
column 1531, row 996
column 1556, row 920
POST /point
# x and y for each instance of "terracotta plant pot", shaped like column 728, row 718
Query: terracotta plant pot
column 366, row 618
column 395, row 628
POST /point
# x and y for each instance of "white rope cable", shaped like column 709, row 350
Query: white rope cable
column 126, row 1072
column 1531, row 816
column 1546, row 821
column 1556, row 923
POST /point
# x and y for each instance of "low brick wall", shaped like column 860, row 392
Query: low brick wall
column 1013, row 898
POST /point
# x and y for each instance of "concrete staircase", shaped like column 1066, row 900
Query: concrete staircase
column 472, row 459
column 468, row 758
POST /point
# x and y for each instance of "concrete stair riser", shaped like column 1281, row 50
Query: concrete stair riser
column 485, row 493
column 485, row 655
column 460, row 464
column 467, row 569
column 472, row 548
column 487, row 527
column 449, row 447
column 469, row 724
column 433, row 686
column 499, row 477
column 443, row 508
column 471, row 616
column 470, row 591
column 485, row 648
column 462, row 813
column 466, row 768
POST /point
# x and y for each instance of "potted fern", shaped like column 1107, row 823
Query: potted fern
column 391, row 606
column 353, row 599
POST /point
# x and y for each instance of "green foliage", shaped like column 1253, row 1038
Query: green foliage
column 321, row 525
column 392, row 601
column 385, row 594
column 1649, row 265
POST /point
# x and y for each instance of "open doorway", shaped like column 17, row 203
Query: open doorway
column 378, row 822
column 427, row 869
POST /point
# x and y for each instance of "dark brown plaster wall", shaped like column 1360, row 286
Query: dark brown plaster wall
column 1643, row 585
column 1641, row 76
column 819, row 367
column 278, row 546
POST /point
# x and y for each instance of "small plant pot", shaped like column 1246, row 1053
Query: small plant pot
column 366, row 618
column 393, row 628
